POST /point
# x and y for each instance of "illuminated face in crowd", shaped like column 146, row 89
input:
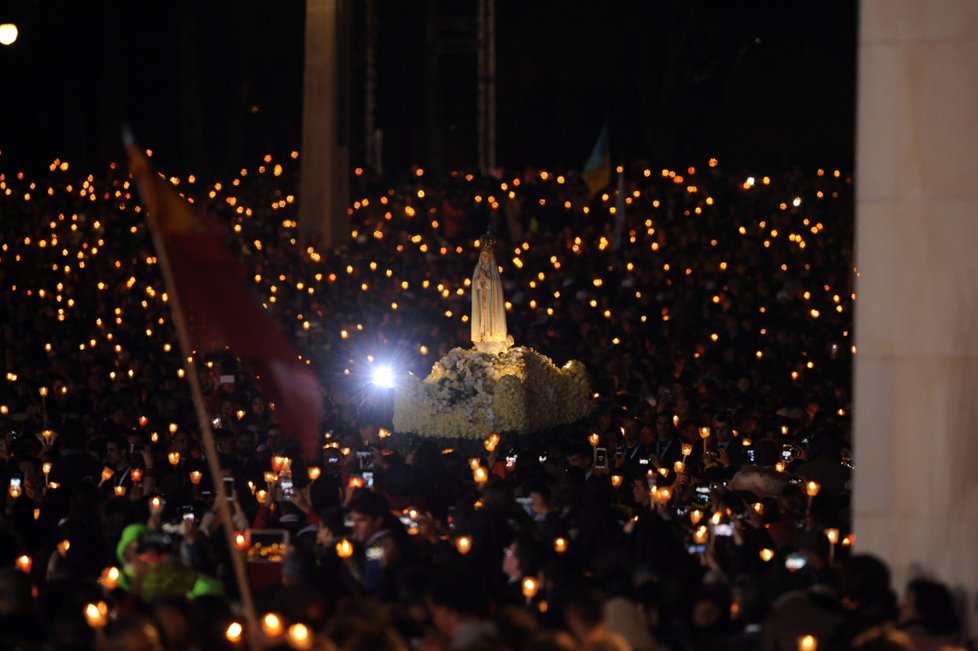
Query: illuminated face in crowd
column 365, row 526
column 115, row 455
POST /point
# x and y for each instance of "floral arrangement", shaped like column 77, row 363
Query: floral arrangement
column 469, row 394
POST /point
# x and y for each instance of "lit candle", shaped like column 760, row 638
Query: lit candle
column 383, row 433
column 261, row 495
column 779, row 466
column 767, row 554
column 173, row 457
column 704, row 433
column 314, row 472
column 48, row 436
column 758, row 508
column 695, row 516
column 277, row 463
column 616, row 480
column 593, row 439
column 480, row 475
column 136, row 474
column 355, row 482
column 474, row 463
column 173, row 428
column 463, row 544
column 15, row 491
column 560, row 545
column 24, row 564
column 109, row 578
column 491, row 442
column 833, row 536
column 701, row 535
column 97, row 615
column 119, row 490
column 807, row 643
column 43, row 391
column 143, row 421
column 155, row 504
column 271, row 625
column 679, row 467
column 63, row 547
column 299, row 636
column 663, row 495
column 240, row 541
column 530, row 587
column 812, row 488
column 234, row 632
column 344, row 548
column 195, row 476
column 687, row 449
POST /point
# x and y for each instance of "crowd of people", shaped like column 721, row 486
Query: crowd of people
column 704, row 504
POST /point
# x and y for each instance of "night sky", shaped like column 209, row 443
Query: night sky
column 211, row 85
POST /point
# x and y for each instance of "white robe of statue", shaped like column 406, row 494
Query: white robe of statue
column 488, row 309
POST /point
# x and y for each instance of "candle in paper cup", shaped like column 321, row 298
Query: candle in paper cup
column 109, row 578
column 807, row 643
column 97, row 614
column 344, row 548
column 271, row 625
column 299, row 637
column 233, row 632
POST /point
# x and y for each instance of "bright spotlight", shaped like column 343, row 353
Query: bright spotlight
column 8, row 33
column 383, row 376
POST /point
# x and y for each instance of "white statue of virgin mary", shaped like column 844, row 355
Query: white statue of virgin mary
column 488, row 308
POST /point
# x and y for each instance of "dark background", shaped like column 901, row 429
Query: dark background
column 210, row 85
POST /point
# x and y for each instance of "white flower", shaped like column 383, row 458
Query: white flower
column 470, row 394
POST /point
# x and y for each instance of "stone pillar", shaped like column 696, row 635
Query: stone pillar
column 323, row 187
column 916, row 369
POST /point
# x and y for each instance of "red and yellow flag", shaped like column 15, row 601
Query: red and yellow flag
column 220, row 311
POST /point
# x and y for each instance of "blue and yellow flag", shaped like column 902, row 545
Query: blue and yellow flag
column 597, row 170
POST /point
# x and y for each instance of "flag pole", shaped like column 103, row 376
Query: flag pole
column 207, row 434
